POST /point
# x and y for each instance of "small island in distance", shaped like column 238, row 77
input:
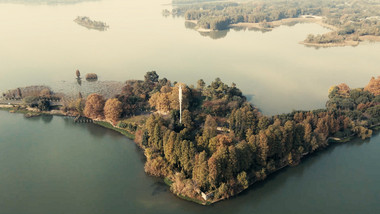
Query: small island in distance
column 224, row 144
column 90, row 24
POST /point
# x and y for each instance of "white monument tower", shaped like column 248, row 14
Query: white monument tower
column 180, row 103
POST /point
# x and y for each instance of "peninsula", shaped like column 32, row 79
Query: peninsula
column 223, row 143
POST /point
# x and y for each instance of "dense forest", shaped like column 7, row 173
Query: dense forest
column 224, row 144
column 350, row 20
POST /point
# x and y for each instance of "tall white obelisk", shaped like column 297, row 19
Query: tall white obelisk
column 180, row 103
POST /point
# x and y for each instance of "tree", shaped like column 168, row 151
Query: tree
column 78, row 74
column 94, row 106
column 113, row 109
column 242, row 180
column 161, row 102
column 186, row 119
column 151, row 76
column 210, row 127
column 43, row 105
column 200, row 171
column 201, row 84
column 263, row 148
column 79, row 105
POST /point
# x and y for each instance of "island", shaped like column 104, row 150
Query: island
column 91, row 77
column 208, row 142
column 350, row 21
column 90, row 24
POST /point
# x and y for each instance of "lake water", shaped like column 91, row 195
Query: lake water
column 41, row 44
column 51, row 165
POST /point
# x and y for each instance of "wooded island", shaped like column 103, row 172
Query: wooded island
column 224, row 144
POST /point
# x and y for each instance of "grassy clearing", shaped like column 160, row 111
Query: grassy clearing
column 193, row 200
column 110, row 126
column 138, row 120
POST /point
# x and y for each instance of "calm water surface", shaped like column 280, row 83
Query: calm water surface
column 40, row 44
column 51, row 165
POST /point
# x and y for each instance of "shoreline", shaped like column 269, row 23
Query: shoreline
column 107, row 125
column 313, row 19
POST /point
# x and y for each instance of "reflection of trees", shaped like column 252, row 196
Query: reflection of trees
column 49, row 2
column 47, row 118
column 254, row 29
column 215, row 34
column 79, row 81
column 190, row 25
column 239, row 28
column 95, row 130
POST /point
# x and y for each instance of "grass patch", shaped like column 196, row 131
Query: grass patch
column 343, row 140
column 21, row 111
column 376, row 128
column 139, row 119
column 110, row 126
column 15, row 110
column 168, row 181
column 193, row 200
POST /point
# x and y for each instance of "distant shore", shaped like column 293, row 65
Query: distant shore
column 304, row 19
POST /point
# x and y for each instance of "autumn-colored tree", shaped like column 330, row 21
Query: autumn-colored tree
column 210, row 127
column 161, row 102
column 263, row 148
column 94, row 106
column 113, row 109
column 77, row 73
column 242, row 180
column 186, row 119
column 169, row 152
column 373, row 86
column 200, row 171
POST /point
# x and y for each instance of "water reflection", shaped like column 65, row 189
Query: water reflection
column 158, row 188
column 190, row 25
column 79, row 81
column 47, row 118
column 215, row 34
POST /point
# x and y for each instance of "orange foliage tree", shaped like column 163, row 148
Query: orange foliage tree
column 94, row 106
column 113, row 109
column 373, row 86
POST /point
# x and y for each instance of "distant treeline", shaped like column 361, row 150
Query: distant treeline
column 45, row 1
column 191, row 1
column 352, row 18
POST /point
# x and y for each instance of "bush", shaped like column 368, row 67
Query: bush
column 91, row 76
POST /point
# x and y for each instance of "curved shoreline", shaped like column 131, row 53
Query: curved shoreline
column 107, row 125
column 314, row 19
